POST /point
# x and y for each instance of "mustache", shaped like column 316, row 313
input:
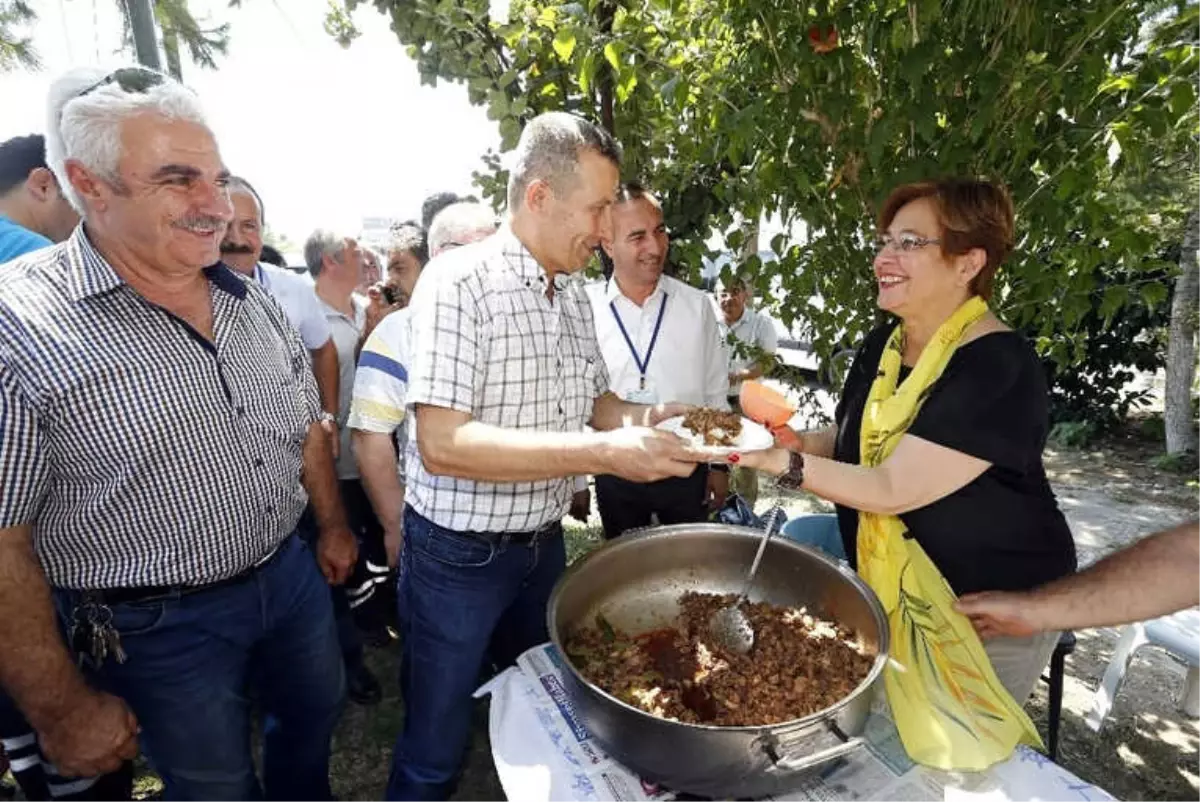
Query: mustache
column 230, row 247
column 200, row 221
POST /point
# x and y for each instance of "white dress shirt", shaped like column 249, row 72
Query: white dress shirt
column 752, row 329
column 299, row 302
column 687, row 362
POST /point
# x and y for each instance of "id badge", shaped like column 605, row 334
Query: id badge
column 642, row 395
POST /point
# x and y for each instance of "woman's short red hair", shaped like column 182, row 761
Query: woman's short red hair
column 972, row 214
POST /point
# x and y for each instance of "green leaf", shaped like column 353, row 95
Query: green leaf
column 612, row 54
column 564, row 43
column 1183, row 98
column 1153, row 293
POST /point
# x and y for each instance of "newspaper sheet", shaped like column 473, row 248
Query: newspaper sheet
column 543, row 751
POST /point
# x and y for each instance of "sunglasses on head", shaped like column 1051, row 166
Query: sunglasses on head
column 136, row 80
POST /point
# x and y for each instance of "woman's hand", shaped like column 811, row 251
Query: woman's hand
column 789, row 438
column 774, row 461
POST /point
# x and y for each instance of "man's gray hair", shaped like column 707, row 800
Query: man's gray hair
column 88, row 128
column 322, row 243
column 549, row 150
column 460, row 223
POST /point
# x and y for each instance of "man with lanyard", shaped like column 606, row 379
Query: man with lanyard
column 506, row 374
column 751, row 341
column 241, row 250
column 660, row 341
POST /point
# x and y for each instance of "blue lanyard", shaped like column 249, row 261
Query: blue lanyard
column 642, row 364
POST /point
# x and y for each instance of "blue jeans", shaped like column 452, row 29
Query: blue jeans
column 190, row 659
column 461, row 597
column 818, row 531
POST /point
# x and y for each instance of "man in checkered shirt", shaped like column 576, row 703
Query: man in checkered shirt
column 160, row 434
column 506, row 374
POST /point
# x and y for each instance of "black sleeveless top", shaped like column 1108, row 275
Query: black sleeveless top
column 1003, row 531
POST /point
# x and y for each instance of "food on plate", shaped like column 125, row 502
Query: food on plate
column 716, row 428
column 800, row 664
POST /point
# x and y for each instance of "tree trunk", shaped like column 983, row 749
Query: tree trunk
column 606, row 12
column 141, row 23
column 1181, row 345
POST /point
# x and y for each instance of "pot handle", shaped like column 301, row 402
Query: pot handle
column 798, row 763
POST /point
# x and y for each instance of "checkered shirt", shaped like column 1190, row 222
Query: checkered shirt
column 141, row 453
column 487, row 341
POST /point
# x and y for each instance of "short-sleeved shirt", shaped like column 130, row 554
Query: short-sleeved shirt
column 141, row 453
column 346, row 332
column 487, row 341
column 299, row 302
column 1004, row 530
column 753, row 328
column 17, row 240
column 380, row 397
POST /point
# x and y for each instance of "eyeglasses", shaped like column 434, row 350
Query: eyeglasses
column 905, row 243
column 137, row 80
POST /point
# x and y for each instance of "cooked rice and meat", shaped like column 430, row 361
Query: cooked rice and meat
column 800, row 664
column 717, row 428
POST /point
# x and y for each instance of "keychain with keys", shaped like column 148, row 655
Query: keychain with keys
column 93, row 635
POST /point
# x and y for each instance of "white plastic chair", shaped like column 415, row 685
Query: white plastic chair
column 1179, row 634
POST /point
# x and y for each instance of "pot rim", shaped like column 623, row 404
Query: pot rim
column 651, row 532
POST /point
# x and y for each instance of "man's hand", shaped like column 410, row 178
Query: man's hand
column 661, row 412
column 378, row 308
column 995, row 613
column 647, row 455
column 330, row 428
column 98, row 733
column 337, row 551
column 718, row 489
column 393, row 542
column 581, row 505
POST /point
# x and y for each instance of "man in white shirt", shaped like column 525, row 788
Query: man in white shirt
column 241, row 250
column 660, row 342
column 751, row 342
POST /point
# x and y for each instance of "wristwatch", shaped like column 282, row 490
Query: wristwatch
column 327, row 417
column 793, row 477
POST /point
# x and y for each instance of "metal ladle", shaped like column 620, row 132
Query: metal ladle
column 729, row 626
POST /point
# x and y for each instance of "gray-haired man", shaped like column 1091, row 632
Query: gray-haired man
column 160, row 430
column 506, row 373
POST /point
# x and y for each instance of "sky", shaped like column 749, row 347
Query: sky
column 327, row 135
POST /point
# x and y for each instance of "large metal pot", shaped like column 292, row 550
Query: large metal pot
column 635, row 582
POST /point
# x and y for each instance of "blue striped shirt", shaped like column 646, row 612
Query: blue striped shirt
column 140, row 452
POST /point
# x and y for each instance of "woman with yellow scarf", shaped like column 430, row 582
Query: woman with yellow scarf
column 935, row 465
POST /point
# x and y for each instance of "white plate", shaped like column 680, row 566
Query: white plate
column 754, row 437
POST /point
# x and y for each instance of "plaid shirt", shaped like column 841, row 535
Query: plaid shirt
column 487, row 341
column 141, row 453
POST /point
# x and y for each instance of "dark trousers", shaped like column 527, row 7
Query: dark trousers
column 626, row 505
column 370, row 591
column 190, row 658
column 461, row 597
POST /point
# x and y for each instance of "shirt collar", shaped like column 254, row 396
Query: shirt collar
column 612, row 291
column 525, row 265
column 89, row 273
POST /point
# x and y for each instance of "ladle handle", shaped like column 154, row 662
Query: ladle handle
column 774, row 520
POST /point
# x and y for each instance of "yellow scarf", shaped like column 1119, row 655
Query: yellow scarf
column 950, row 709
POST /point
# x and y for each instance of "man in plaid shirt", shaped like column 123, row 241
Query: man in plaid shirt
column 506, row 374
